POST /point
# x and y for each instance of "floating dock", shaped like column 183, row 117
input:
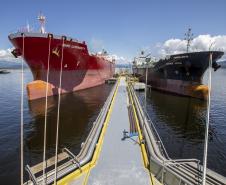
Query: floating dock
column 123, row 147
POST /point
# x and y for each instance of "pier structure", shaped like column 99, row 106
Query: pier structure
column 123, row 147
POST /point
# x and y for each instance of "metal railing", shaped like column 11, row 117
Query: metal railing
column 166, row 170
column 87, row 148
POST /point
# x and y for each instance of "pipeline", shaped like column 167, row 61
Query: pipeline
column 165, row 169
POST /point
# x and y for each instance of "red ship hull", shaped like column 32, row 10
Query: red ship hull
column 80, row 70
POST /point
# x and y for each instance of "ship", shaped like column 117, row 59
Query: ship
column 181, row 74
column 61, row 63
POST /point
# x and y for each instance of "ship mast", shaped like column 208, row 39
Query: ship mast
column 188, row 38
column 42, row 21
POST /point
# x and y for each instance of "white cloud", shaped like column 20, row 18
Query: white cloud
column 120, row 59
column 5, row 54
column 116, row 57
column 97, row 46
column 199, row 43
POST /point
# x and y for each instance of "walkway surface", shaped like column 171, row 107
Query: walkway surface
column 120, row 161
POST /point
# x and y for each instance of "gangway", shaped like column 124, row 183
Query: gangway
column 123, row 147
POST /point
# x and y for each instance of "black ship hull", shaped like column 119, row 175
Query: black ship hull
column 181, row 74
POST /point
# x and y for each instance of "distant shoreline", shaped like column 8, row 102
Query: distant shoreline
column 11, row 64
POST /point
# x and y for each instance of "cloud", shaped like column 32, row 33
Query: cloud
column 97, row 46
column 116, row 57
column 199, row 43
column 5, row 54
column 120, row 59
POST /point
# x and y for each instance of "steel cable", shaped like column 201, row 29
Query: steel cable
column 46, row 104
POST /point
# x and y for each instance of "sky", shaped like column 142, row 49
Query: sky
column 122, row 27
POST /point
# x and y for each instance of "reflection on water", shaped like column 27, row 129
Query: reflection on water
column 184, row 113
column 77, row 113
column 180, row 122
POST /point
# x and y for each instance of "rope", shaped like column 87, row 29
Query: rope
column 207, row 124
column 146, row 81
column 46, row 104
column 58, row 112
column 22, row 119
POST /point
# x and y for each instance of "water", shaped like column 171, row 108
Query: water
column 180, row 122
column 78, row 111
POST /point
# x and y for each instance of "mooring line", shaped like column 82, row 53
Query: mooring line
column 58, row 111
column 46, row 104
column 207, row 122
column 22, row 119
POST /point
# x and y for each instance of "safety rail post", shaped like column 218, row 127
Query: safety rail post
column 163, row 169
column 73, row 157
column 31, row 175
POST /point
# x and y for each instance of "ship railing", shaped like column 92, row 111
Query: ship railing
column 15, row 31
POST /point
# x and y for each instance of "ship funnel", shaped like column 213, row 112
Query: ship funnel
column 42, row 21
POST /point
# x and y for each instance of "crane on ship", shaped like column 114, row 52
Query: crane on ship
column 42, row 20
column 188, row 37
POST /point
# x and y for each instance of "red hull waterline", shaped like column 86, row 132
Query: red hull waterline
column 80, row 70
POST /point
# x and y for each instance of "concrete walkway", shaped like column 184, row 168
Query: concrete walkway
column 120, row 161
